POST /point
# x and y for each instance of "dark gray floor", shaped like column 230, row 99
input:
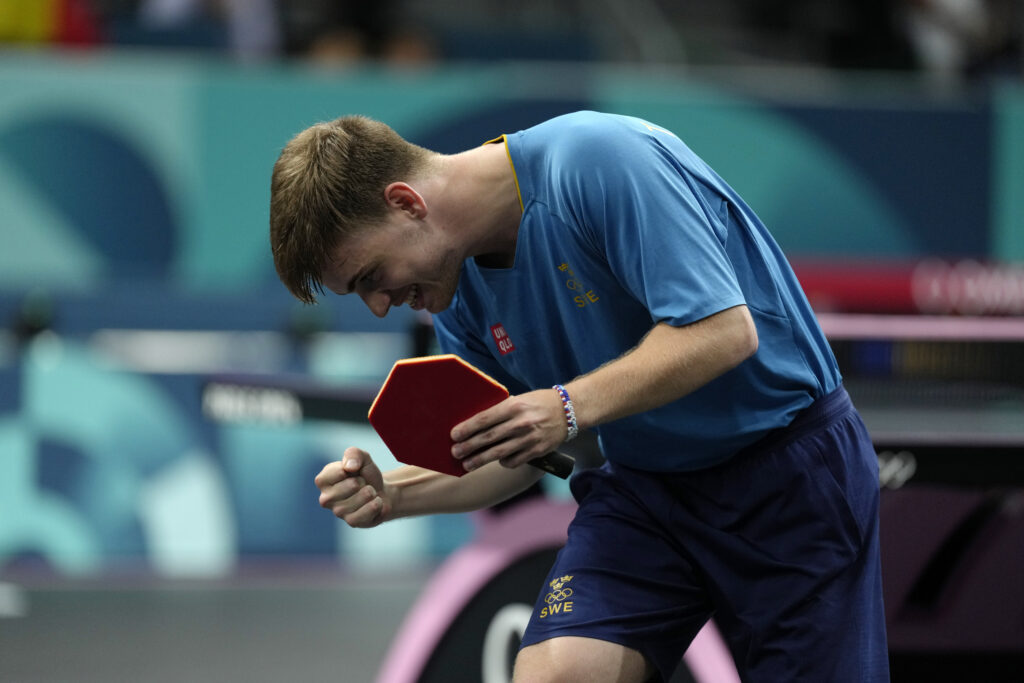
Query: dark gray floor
column 249, row 630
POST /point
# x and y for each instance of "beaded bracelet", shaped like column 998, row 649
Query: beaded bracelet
column 570, row 412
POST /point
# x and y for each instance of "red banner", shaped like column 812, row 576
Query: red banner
column 931, row 286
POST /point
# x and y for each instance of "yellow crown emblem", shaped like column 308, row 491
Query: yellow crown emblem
column 557, row 584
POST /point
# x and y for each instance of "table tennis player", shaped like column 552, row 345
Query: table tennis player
column 600, row 270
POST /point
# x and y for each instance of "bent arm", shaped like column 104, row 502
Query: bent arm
column 668, row 363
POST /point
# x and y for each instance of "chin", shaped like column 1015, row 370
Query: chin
column 438, row 305
column 442, row 294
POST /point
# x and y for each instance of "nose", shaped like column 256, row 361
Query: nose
column 378, row 302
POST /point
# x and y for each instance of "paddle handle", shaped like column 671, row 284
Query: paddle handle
column 558, row 464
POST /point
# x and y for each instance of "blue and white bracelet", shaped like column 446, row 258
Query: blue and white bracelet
column 570, row 412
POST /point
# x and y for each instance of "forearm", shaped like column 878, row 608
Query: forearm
column 416, row 491
column 669, row 363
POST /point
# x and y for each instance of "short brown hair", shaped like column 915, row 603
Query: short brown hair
column 327, row 183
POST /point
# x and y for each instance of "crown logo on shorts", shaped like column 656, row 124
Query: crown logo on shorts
column 557, row 584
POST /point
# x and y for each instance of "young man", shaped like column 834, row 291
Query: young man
column 606, row 275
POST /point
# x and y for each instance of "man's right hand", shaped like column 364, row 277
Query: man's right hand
column 353, row 489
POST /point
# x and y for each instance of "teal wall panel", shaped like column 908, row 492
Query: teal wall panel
column 1008, row 185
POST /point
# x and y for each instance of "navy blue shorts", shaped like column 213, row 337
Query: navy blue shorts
column 779, row 545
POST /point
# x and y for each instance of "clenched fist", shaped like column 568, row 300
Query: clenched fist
column 354, row 490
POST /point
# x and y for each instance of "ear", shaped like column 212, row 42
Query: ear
column 403, row 197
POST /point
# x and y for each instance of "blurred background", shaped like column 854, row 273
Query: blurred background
column 882, row 141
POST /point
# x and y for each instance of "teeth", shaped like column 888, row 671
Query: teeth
column 413, row 292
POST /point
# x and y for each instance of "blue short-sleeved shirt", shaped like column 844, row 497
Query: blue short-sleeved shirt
column 623, row 227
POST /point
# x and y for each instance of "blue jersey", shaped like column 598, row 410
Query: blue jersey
column 623, row 227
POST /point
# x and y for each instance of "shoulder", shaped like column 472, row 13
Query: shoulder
column 580, row 144
column 580, row 132
column 592, row 140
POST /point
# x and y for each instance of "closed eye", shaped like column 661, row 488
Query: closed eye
column 369, row 280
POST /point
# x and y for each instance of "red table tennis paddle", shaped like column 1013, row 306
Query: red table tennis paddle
column 422, row 399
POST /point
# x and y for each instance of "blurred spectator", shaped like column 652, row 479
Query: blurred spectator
column 869, row 36
column 946, row 34
column 946, row 38
column 61, row 22
column 246, row 28
column 843, row 34
column 345, row 44
column 955, row 38
column 331, row 32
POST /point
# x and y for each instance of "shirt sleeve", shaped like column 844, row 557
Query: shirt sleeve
column 650, row 216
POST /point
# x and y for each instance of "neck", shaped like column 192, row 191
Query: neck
column 478, row 192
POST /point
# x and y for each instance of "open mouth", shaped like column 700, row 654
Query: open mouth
column 412, row 296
